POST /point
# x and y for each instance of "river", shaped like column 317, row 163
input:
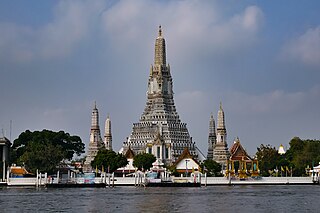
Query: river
column 285, row 198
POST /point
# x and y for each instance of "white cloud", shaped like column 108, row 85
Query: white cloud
column 274, row 102
column 188, row 25
column 305, row 48
column 126, row 27
column 57, row 39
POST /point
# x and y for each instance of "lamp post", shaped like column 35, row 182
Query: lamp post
column 187, row 167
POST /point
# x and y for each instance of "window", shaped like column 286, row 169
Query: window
column 149, row 150
column 167, row 153
column 158, row 152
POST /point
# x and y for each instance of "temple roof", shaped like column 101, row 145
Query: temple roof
column 237, row 152
column 185, row 154
column 129, row 154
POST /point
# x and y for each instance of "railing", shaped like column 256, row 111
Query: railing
column 262, row 180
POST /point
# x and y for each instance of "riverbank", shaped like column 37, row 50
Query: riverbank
column 142, row 181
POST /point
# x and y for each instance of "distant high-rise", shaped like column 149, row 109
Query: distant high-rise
column 159, row 130
column 96, row 142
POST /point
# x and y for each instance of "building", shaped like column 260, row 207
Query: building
column 96, row 143
column 240, row 164
column 129, row 168
column 217, row 141
column 212, row 139
column 4, row 156
column 108, row 134
column 186, row 164
column 160, row 130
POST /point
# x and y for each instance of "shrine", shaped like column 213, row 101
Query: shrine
column 240, row 164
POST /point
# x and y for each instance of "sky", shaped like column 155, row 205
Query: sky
column 261, row 59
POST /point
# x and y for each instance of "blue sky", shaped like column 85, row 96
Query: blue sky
column 260, row 58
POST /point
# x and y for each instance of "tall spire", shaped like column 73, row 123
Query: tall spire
column 221, row 127
column 160, row 80
column 220, row 151
column 95, row 117
column 160, row 31
column 160, row 49
column 221, row 121
column 160, row 114
column 107, row 134
column 212, row 137
column 212, row 126
column 95, row 143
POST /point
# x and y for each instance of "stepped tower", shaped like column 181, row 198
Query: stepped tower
column 96, row 142
column 220, row 151
column 107, row 134
column 159, row 130
column 212, row 139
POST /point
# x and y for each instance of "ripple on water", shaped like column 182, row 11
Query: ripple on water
column 131, row 199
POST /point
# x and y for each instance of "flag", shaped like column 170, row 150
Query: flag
column 102, row 169
column 96, row 169
column 282, row 169
column 287, row 169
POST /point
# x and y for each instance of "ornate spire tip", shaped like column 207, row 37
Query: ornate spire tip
column 160, row 31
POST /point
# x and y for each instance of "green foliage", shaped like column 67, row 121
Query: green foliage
column 45, row 149
column 143, row 161
column 42, row 156
column 109, row 159
column 269, row 159
column 303, row 153
column 212, row 168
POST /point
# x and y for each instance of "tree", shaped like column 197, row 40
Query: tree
column 109, row 160
column 71, row 144
column 269, row 159
column 42, row 156
column 212, row 167
column 45, row 149
column 144, row 160
column 303, row 153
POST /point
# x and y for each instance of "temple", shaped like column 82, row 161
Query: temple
column 160, row 130
column 217, row 140
column 240, row 164
column 96, row 143
column 108, row 134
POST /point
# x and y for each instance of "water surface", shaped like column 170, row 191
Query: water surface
column 131, row 199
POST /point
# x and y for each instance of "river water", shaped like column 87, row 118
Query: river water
column 130, row 199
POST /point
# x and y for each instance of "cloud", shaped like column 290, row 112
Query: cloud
column 57, row 39
column 274, row 102
column 190, row 25
column 305, row 48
